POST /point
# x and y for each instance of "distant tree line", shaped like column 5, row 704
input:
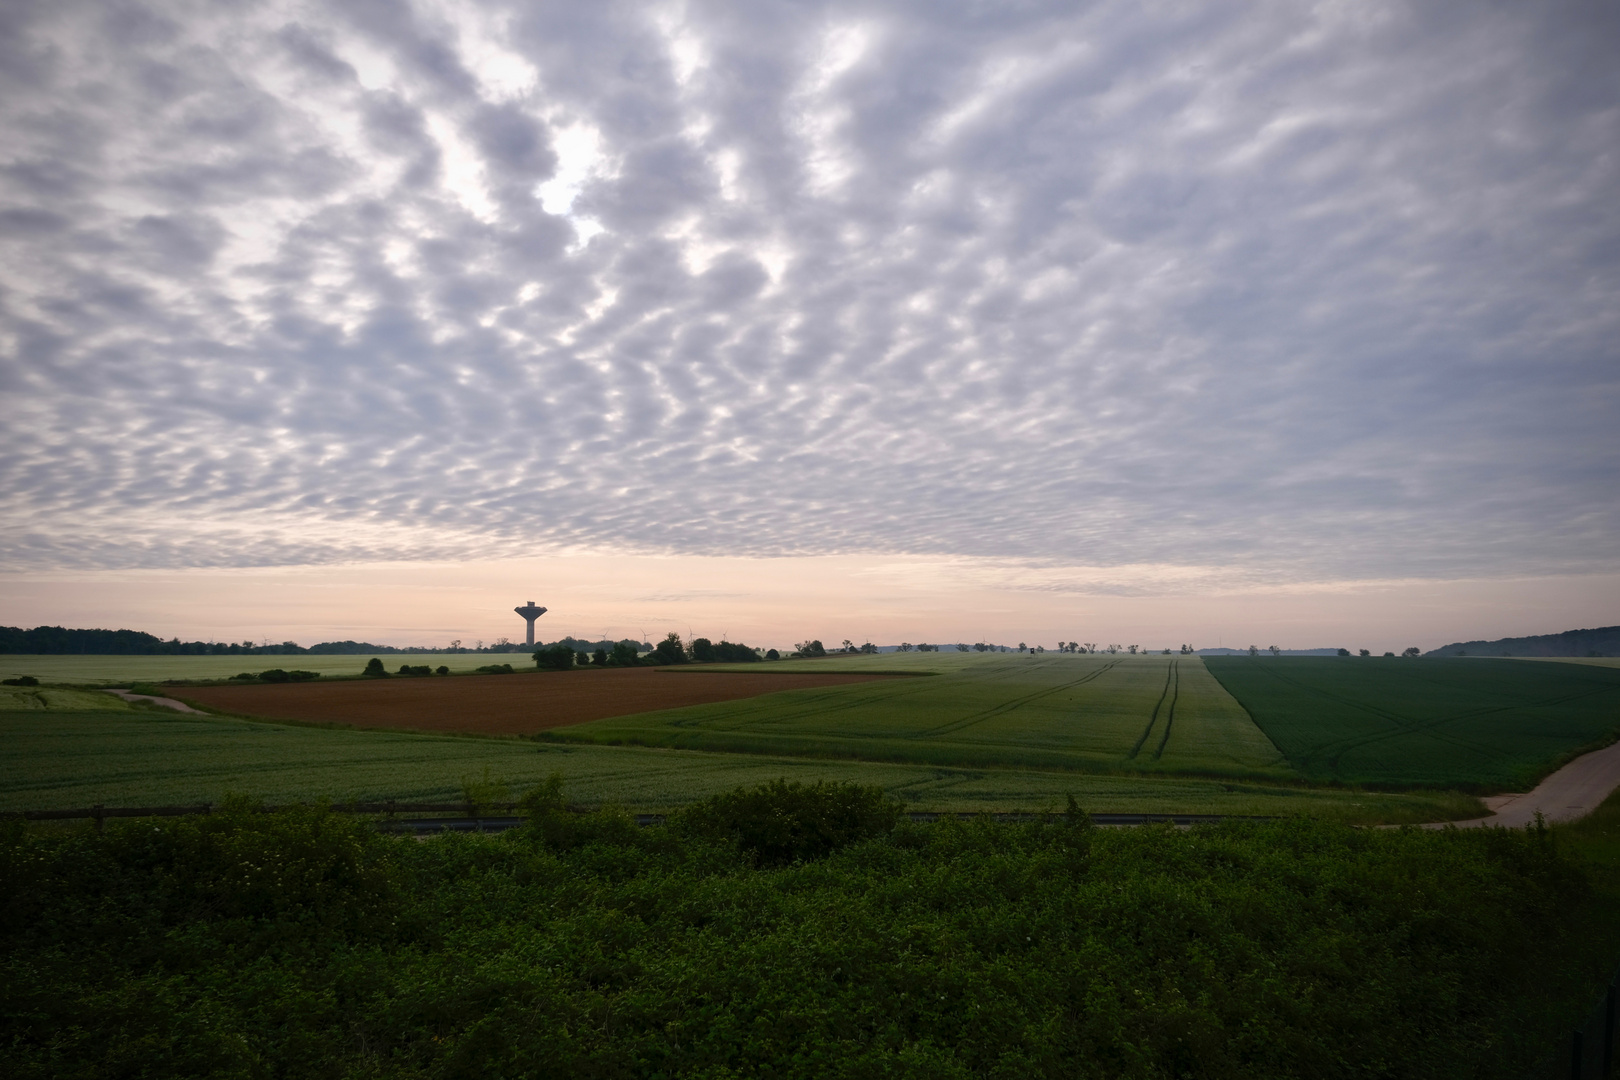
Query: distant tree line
column 57, row 640
column 566, row 655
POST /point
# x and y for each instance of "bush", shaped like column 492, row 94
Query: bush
column 555, row 658
column 20, row 680
column 244, row 676
column 493, row 669
column 301, row 943
column 374, row 669
column 303, row 676
column 415, row 669
column 443, row 670
column 624, row 655
column 275, row 674
column 782, row 822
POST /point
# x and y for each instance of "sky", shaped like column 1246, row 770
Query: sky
column 910, row 321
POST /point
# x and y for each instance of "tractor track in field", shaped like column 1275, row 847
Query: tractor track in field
column 1170, row 717
column 1171, row 693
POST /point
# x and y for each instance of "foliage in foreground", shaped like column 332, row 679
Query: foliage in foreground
column 303, row 944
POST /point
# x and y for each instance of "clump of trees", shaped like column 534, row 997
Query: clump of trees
column 554, row 658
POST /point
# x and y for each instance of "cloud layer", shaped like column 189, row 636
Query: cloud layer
column 1321, row 291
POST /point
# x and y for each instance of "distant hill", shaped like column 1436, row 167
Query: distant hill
column 1603, row 641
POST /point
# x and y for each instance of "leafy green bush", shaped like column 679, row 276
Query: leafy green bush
column 301, row 944
column 415, row 669
column 20, row 680
column 303, row 676
column 782, row 822
column 275, row 675
column 494, row 669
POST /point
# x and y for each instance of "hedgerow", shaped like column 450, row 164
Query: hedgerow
column 306, row 944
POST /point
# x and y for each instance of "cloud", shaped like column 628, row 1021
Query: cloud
column 1316, row 292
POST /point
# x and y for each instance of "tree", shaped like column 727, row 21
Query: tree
column 962, row 647
column 670, row 650
column 1413, row 651
column 1364, row 652
column 1274, row 650
column 1022, row 647
column 375, row 669
column 1344, row 652
column 905, row 646
column 811, row 648
column 599, row 658
column 624, row 655
column 772, row 654
column 1254, row 650
column 702, row 650
column 554, row 658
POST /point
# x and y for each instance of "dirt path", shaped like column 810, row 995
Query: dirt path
column 518, row 704
column 1572, row 792
column 167, row 702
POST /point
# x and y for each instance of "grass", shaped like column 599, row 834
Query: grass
column 1136, row 714
column 1482, row 724
column 122, row 757
column 111, row 670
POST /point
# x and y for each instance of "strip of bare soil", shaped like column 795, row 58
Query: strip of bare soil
column 519, row 704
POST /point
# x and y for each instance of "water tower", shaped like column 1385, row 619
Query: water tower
column 530, row 613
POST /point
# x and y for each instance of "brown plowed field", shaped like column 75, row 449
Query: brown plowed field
column 518, row 704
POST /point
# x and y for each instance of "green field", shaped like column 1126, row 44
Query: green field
column 109, row 670
column 1095, row 713
column 1476, row 723
column 131, row 757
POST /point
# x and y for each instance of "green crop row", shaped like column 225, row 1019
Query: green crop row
column 56, row 759
column 1093, row 713
column 1474, row 723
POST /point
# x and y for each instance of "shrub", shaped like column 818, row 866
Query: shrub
column 374, row 669
column 415, row 669
column 244, row 676
column 556, row 658
column 489, row 669
column 624, row 655
column 782, row 822
column 21, row 680
column 443, row 670
column 303, row 676
column 275, row 674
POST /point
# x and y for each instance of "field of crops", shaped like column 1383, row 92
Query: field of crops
column 128, row 757
column 520, row 703
column 1099, row 713
column 1473, row 723
column 128, row 669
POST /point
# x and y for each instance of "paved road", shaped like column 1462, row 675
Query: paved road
column 179, row 706
column 1572, row 792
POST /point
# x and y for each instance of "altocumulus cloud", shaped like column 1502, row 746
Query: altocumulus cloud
column 1320, row 290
